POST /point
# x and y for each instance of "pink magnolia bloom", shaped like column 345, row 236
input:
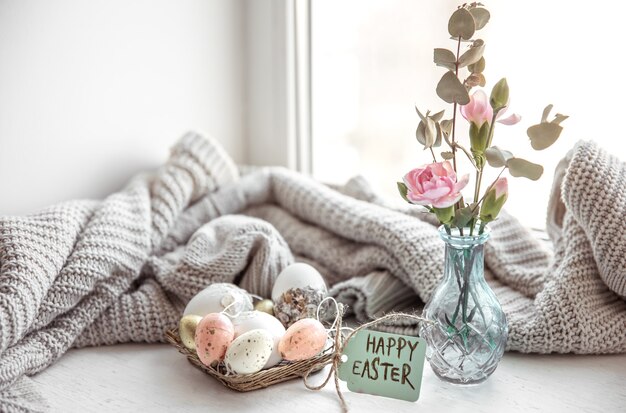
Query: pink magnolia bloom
column 434, row 184
column 479, row 111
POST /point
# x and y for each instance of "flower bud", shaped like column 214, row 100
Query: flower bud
column 499, row 95
column 479, row 137
column 494, row 200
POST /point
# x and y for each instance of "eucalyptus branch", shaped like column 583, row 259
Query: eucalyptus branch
column 469, row 156
column 454, row 106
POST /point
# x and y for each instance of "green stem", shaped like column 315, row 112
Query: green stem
column 456, row 72
column 479, row 174
column 482, row 228
column 488, row 189
column 433, row 152
column 466, row 282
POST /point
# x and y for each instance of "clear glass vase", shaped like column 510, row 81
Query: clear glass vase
column 468, row 335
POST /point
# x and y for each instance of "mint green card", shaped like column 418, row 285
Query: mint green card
column 384, row 364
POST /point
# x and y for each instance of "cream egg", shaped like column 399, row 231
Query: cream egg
column 214, row 334
column 216, row 297
column 249, row 352
column 304, row 339
column 298, row 275
column 253, row 320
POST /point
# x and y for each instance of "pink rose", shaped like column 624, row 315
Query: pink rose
column 479, row 111
column 434, row 184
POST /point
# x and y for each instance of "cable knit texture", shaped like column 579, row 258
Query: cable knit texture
column 88, row 273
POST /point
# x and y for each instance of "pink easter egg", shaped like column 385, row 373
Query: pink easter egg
column 303, row 340
column 214, row 334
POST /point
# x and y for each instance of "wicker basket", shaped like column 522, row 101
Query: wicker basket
column 264, row 378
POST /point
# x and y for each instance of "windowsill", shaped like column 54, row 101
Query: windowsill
column 156, row 378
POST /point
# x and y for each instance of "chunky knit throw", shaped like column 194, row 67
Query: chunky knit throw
column 87, row 273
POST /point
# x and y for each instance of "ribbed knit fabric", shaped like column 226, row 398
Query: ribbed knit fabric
column 92, row 273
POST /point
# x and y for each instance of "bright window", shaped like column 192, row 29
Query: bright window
column 372, row 61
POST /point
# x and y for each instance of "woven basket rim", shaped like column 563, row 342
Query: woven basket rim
column 261, row 379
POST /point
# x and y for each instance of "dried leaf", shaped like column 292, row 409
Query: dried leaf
column 430, row 132
column 437, row 142
column 546, row 113
column 445, row 58
column 420, row 133
column 451, row 90
column 473, row 54
column 544, row 135
column 497, row 157
column 422, row 117
column 521, row 167
column 477, row 67
column 446, row 126
column 437, row 116
column 481, row 16
column 447, row 155
column 558, row 118
column 461, row 24
column 475, row 79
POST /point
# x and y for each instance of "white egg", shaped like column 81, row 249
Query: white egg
column 216, row 297
column 252, row 320
column 298, row 275
column 249, row 352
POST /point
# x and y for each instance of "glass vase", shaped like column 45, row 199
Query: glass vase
column 468, row 333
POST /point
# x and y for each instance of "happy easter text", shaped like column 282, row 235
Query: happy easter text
column 391, row 347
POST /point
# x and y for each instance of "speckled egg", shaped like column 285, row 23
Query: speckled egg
column 214, row 334
column 303, row 340
column 253, row 320
column 216, row 297
column 187, row 330
column 249, row 352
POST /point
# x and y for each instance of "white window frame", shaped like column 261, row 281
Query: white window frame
column 279, row 83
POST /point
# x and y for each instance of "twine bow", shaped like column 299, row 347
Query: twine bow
column 340, row 344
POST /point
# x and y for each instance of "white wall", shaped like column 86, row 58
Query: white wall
column 92, row 92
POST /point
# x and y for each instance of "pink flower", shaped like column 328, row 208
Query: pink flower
column 494, row 200
column 434, row 184
column 479, row 111
column 501, row 187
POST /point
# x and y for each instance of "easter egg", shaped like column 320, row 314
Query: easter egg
column 249, row 352
column 298, row 275
column 304, row 339
column 187, row 330
column 216, row 297
column 298, row 291
column 214, row 334
column 267, row 306
column 253, row 320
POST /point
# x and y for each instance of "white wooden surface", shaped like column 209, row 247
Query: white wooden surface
column 155, row 378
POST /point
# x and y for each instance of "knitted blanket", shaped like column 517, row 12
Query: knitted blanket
column 88, row 273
